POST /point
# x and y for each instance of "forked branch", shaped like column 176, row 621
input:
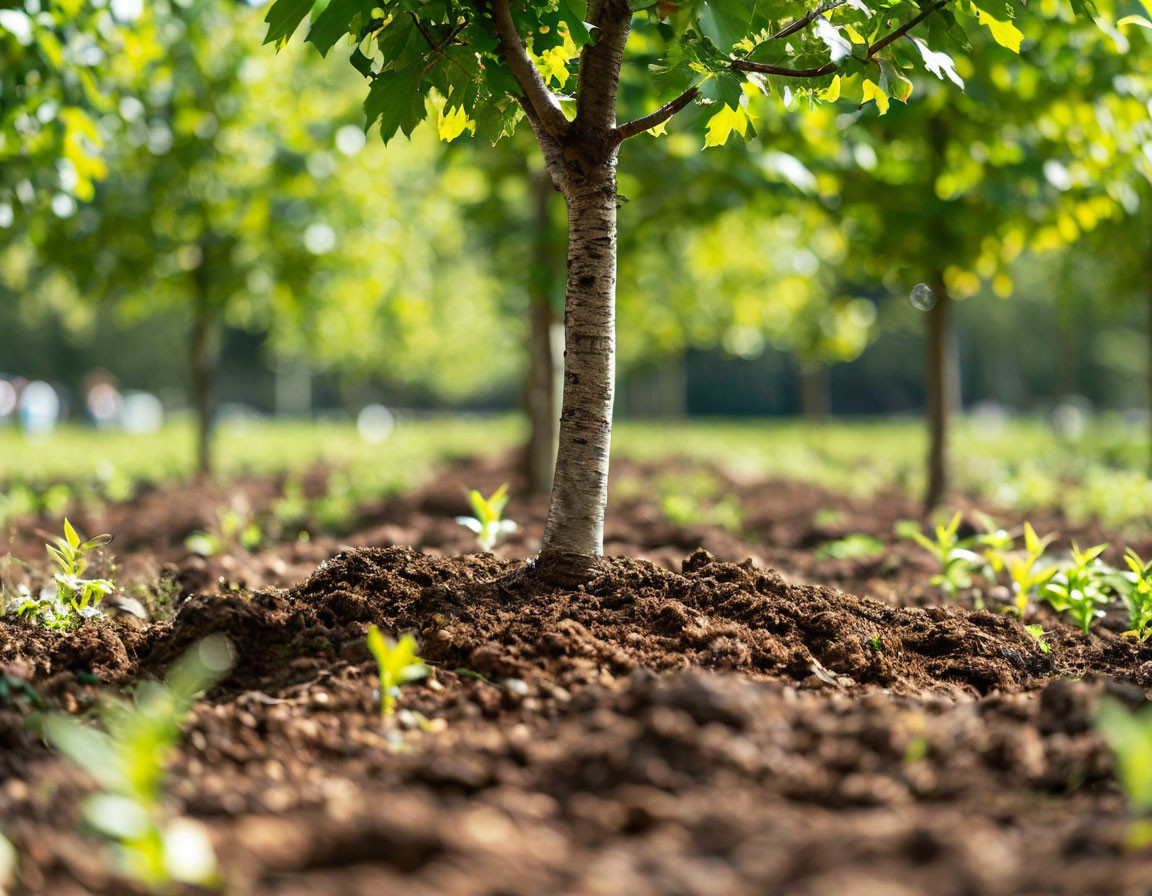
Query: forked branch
column 544, row 103
column 657, row 118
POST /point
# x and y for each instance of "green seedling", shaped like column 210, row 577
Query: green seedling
column 8, row 863
column 1081, row 586
column 1027, row 579
column 397, row 664
column 19, row 693
column 234, row 530
column 851, row 547
column 1137, row 594
column 1129, row 734
column 957, row 561
column 994, row 543
column 70, row 598
column 487, row 522
column 1037, row 632
column 128, row 754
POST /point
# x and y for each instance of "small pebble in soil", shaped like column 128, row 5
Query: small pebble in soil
column 516, row 686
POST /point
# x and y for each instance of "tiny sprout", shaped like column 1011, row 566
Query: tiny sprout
column 1137, row 595
column 1037, row 632
column 957, row 561
column 1080, row 587
column 487, row 522
column 70, row 597
column 1130, row 737
column 397, row 663
column 129, row 754
column 1021, row 567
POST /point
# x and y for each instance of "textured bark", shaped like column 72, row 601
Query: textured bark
column 940, row 389
column 1149, row 381
column 545, row 351
column 583, row 166
column 204, row 352
column 574, row 533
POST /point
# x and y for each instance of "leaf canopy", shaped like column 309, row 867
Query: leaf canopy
column 728, row 50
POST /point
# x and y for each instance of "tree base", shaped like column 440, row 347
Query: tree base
column 563, row 569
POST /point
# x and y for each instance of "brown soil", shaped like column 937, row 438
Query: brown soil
column 711, row 728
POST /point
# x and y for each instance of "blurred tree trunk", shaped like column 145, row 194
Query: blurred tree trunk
column 1149, row 379
column 941, row 391
column 1068, row 357
column 815, row 391
column 545, row 349
column 205, row 351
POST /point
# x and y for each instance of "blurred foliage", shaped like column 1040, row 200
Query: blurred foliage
column 1024, row 465
column 146, row 148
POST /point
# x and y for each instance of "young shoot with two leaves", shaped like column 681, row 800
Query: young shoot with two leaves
column 957, row 560
column 488, row 522
column 397, row 664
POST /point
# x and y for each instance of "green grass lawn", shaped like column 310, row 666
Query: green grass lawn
column 1019, row 464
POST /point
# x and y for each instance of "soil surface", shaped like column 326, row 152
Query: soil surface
column 717, row 714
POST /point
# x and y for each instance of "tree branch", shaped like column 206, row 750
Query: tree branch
column 544, row 104
column 600, row 61
column 743, row 65
column 803, row 22
column 549, row 147
column 661, row 115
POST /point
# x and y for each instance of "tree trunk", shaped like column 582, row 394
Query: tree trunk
column 815, row 397
column 545, row 350
column 204, row 350
column 940, row 391
column 574, row 533
column 1149, row 376
column 1068, row 360
column 581, row 158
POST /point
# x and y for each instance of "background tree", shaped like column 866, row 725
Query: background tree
column 474, row 56
column 942, row 194
column 216, row 201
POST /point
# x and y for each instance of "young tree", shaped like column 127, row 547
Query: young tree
column 493, row 64
column 201, row 159
column 944, row 191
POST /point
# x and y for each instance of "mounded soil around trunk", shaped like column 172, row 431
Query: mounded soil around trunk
column 711, row 731
column 688, row 725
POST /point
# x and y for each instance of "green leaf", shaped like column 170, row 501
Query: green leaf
column 1004, row 33
column 725, row 22
column 70, row 534
column 335, row 21
column 1134, row 20
column 283, row 18
column 577, row 27
column 391, row 99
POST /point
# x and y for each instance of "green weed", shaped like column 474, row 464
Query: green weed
column 1080, row 587
column 1138, row 596
column 1129, row 734
column 397, row 664
column 70, row 598
column 851, row 547
column 487, row 521
column 128, row 754
column 958, row 562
